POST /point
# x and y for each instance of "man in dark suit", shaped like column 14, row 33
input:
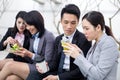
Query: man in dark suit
column 63, row 68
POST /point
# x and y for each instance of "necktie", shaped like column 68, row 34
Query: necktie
column 60, row 68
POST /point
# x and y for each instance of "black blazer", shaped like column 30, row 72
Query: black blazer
column 74, row 73
column 12, row 33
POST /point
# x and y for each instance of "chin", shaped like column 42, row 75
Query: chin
column 89, row 39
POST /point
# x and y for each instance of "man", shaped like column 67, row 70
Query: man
column 69, row 19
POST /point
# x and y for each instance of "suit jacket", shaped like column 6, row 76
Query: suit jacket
column 102, row 63
column 12, row 33
column 74, row 73
column 45, row 47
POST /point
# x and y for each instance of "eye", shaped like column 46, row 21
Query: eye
column 85, row 28
column 19, row 22
column 65, row 22
column 73, row 22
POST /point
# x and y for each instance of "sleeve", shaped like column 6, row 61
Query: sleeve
column 53, row 65
column 49, row 47
column 107, row 58
column 7, row 34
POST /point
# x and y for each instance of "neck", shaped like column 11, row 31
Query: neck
column 99, row 36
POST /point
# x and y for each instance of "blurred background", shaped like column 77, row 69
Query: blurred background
column 50, row 9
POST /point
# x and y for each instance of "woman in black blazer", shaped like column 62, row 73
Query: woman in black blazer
column 18, row 34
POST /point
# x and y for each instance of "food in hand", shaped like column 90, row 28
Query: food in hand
column 15, row 47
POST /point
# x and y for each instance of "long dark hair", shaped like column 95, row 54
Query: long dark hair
column 36, row 19
column 20, row 14
column 95, row 18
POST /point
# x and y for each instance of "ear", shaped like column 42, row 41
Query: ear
column 98, row 28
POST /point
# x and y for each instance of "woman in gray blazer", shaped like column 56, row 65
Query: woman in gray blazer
column 101, row 60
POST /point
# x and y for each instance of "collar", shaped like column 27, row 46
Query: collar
column 70, row 36
column 35, row 35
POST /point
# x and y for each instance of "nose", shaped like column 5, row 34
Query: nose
column 22, row 24
column 69, row 25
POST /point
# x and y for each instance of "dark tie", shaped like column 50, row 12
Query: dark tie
column 60, row 68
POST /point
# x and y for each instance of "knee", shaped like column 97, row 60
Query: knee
column 9, row 64
column 3, row 62
column 9, row 78
column 13, row 77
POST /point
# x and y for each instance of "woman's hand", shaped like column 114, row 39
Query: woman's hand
column 23, row 52
column 9, row 40
column 72, row 50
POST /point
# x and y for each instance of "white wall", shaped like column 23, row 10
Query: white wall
column 13, row 6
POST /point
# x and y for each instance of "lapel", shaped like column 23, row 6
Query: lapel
column 74, row 40
column 41, row 44
column 31, row 44
column 60, row 49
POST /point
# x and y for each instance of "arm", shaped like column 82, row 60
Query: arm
column 50, row 39
column 53, row 65
column 108, row 55
column 6, row 39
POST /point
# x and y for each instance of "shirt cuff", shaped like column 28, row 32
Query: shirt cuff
column 58, row 77
column 33, row 57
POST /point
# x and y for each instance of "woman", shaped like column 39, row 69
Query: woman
column 41, row 47
column 101, row 60
column 19, row 35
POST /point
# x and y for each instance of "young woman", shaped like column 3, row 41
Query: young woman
column 101, row 60
column 17, row 34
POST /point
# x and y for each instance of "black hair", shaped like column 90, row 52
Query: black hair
column 35, row 18
column 71, row 9
column 95, row 18
column 20, row 14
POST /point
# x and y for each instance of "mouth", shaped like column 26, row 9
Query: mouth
column 86, row 36
column 68, row 31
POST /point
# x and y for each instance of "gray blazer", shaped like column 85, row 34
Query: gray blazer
column 102, row 63
column 45, row 47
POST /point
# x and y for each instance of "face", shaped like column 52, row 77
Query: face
column 20, row 23
column 31, row 29
column 69, row 23
column 89, row 30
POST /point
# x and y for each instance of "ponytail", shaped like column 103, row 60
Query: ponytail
column 108, row 31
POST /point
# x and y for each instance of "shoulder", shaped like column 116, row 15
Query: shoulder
column 10, row 29
column 107, row 41
column 59, row 37
column 48, row 34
